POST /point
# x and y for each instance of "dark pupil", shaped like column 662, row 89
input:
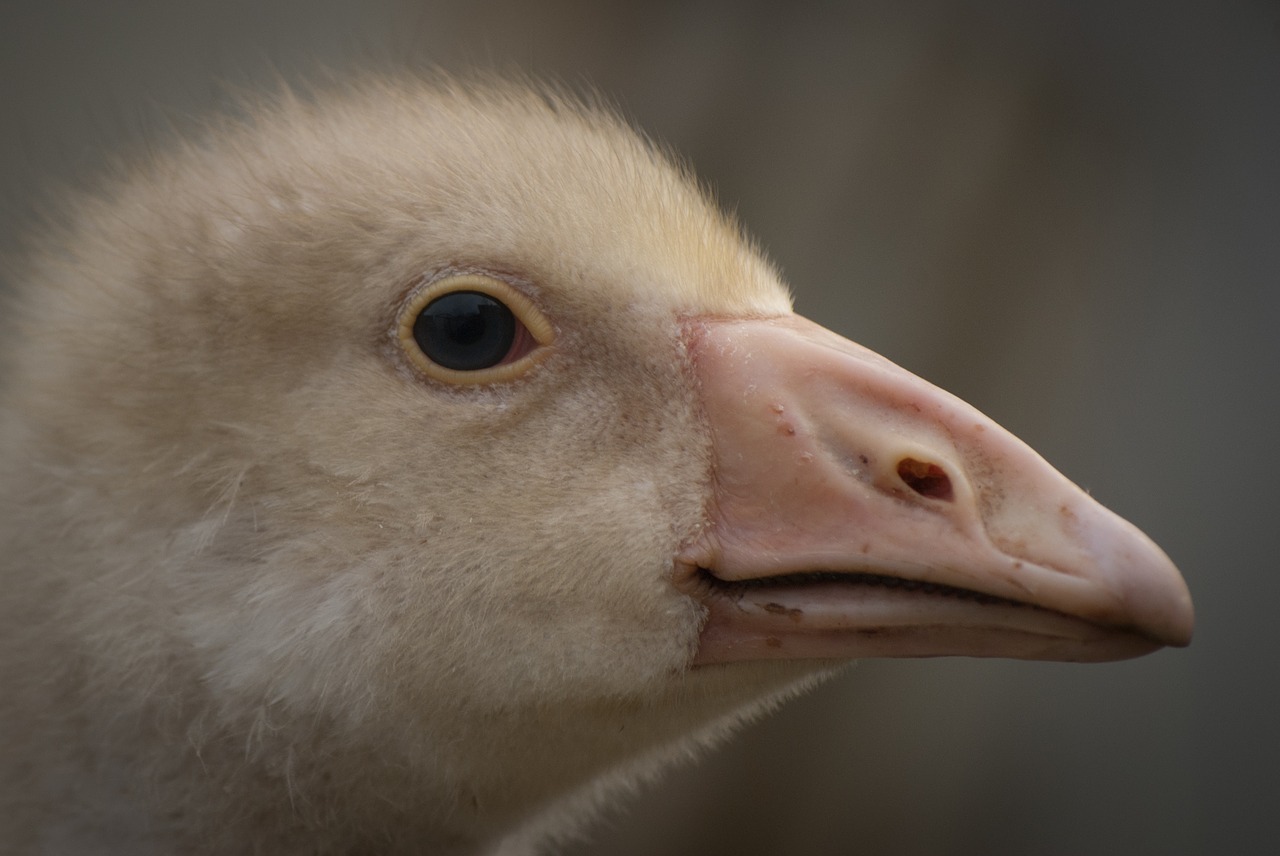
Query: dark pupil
column 465, row 330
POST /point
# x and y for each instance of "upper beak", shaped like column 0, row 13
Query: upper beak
column 857, row 510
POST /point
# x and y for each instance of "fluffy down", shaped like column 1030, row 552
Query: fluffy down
column 265, row 590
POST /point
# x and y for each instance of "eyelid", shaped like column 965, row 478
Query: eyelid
column 527, row 314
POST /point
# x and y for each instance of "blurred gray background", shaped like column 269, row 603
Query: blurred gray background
column 1067, row 213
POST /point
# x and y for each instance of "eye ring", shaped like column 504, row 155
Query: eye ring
column 530, row 331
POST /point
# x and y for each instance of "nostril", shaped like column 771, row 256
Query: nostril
column 928, row 480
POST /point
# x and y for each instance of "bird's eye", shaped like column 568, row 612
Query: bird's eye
column 466, row 331
column 473, row 329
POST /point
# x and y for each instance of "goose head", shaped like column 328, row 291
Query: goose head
column 420, row 463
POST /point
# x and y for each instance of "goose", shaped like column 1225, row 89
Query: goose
column 418, row 466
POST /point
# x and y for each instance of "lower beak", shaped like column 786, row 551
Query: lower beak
column 858, row 510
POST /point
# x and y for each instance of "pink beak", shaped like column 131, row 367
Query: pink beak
column 860, row 511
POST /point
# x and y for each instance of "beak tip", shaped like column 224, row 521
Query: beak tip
column 1168, row 615
column 1152, row 594
column 1183, row 624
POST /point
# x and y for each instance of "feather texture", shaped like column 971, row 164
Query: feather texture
column 265, row 585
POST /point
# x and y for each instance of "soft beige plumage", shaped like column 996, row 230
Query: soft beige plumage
column 268, row 588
